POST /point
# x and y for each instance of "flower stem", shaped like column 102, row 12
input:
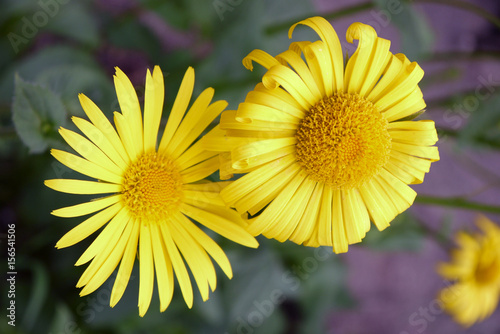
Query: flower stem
column 456, row 202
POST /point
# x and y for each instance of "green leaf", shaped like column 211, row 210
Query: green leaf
column 63, row 321
column 323, row 288
column 74, row 21
column 38, row 295
column 482, row 115
column 70, row 80
column 48, row 58
column 253, row 296
column 37, row 114
column 404, row 234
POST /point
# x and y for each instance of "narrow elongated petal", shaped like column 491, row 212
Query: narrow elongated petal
column 129, row 105
column 126, row 265
column 102, row 123
column 82, row 187
column 86, row 208
column 153, row 107
column 89, row 226
column 179, row 108
column 85, row 167
column 222, row 226
column 146, row 269
column 179, row 266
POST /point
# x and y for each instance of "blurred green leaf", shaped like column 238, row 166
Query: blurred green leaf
column 45, row 60
column 63, row 321
column 253, row 296
column 404, row 234
column 483, row 117
column 38, row 295
column 37, row 114
column 416, row 34
column 322, row 290
column 74, row 21
column 70, row 80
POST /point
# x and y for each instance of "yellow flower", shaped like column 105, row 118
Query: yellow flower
column 325, row 149
column 153, row 193
column 475, row 270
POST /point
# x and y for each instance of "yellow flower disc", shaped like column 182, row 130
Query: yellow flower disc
column 343, row 141
column 152, row 187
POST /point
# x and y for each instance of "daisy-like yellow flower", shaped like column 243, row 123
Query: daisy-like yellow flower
column 326, row 148
column 153, row 193
column 475, row 270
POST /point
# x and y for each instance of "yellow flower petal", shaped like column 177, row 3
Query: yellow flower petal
column 86, row 208
column 339, row 236
column 208, row 245
column 277, row 99
column 193, row 115
column 89, row 151
column 102, row 123
column 163, row 266
column 283, row 76
column 126, row 265
column 86, row 167
column 127, row 135
column 254, row 180
column 300, row 67
column 195, row 129
column 319, row 64
column 197, row 259
column 325, row 227
column 101, row 141
column 220, row 225
column 293, row 211
column 178, row 265
column 260, row 57
column 290, row 215
column 427, row 152
column 258, row 153
column 401, row 87
column 265, row 222
column 309, row 220
column 334, row 50
column 82, row 187
column 89, row 226
column 388, row 76
column 179, row 108
column 201, row 170
column 153, row 107
column 146, row 269
column 109, row 264
column 103, row 241
column 130, row 108
column 354, row 210
column 380, row 208
column 410, row 105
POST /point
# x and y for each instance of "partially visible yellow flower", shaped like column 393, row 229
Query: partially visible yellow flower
column 326, row 149
column 154, row 193
column 475, row 270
